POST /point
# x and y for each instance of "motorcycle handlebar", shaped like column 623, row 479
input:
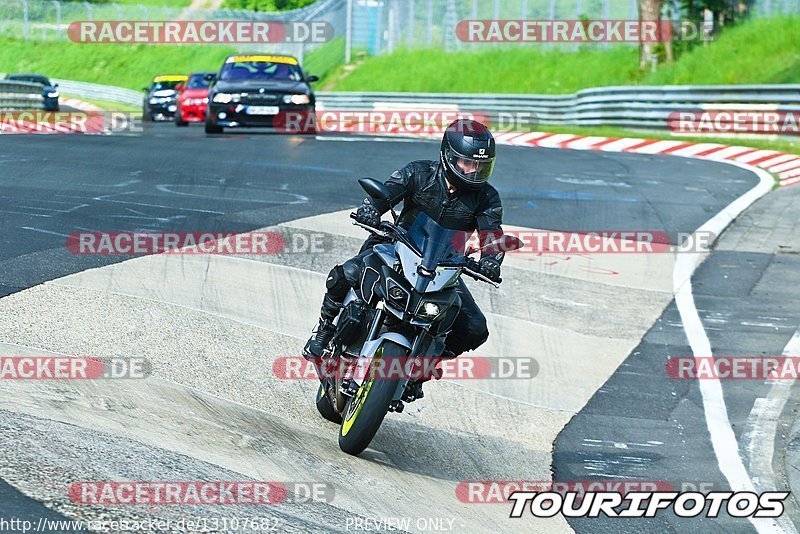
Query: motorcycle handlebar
column 472, row 274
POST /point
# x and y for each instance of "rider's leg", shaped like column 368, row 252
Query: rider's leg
column 469, row 332
column 339, row 281
column 469, row 329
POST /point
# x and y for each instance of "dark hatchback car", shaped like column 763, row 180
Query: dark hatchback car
column 49, row 90
column 160, row 102
column 261, row 91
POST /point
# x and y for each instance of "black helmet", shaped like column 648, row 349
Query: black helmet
column 467, row 154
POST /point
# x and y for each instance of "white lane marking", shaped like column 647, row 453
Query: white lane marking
column 598, row 181
column 563, row 301
column 40, row 230
column 720, row 430
column 762, row 426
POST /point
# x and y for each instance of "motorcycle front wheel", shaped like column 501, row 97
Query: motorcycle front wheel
column 364, row 411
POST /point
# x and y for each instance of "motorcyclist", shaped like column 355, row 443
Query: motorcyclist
column 454, row 191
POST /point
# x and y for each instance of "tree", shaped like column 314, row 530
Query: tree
column 649, row 10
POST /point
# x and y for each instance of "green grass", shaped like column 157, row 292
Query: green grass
column 131, row 66
column 759, row 51
column 324, row 60
column 155, row 3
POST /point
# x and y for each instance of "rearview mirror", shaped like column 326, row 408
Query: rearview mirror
column 312, row 79
column 179, row 88
column 504, row 243
column 375, row 189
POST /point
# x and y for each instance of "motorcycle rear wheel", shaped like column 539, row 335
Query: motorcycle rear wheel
column 325, row 408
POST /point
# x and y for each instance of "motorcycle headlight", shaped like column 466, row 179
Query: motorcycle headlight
column 222, row 98
column 296, row 99
column 429, row 311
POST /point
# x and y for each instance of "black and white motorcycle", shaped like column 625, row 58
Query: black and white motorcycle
column 392, row 327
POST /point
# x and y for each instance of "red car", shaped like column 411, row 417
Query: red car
column 193, row 98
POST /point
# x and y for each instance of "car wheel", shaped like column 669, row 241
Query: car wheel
column 178, row 121
column 212, row 127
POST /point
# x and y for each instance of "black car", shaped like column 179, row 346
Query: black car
column 260, row 90
column 160, row 102
column 49, row 90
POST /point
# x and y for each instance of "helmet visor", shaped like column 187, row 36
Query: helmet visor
column 471, row 170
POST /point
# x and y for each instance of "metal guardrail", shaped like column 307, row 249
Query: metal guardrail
column 20, row 95
column 637, row 106
column 106, row 93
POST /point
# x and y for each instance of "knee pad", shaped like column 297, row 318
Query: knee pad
column 351, row 270
column 336, row 284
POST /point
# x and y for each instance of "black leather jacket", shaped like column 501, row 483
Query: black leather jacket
column 421, row 186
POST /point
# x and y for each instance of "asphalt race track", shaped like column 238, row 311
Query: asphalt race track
column 601, row 329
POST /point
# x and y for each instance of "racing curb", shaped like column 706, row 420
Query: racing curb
column 785, row 166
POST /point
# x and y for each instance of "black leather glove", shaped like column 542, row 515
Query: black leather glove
column 369, row 215
column 472, row 265
column 490, row 268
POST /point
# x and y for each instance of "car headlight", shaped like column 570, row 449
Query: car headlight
column 53, row 94
column 429, row 311
column 223, row 98
column 296, row 99
column 155, row 100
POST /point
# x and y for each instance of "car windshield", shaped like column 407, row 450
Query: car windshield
column 164, row 86
column 41, row 80
column 436, row 242
column 199, row 81
column 260, row 70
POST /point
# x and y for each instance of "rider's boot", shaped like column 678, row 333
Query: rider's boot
column 414, row 389
column 322, row 335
